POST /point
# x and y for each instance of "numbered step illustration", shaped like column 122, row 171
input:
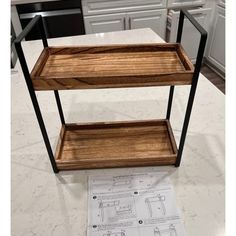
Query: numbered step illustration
column 158, row 205
column 113, row 232
column 173, row 229
column 113, row 210
column 118, row 184
column 121, row 233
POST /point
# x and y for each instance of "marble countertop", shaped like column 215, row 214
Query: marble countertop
column 47, row 204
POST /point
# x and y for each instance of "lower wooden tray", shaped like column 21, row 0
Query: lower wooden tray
column 123, row 144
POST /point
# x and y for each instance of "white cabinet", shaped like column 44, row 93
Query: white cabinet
column 113, row 15
column 105, row 23
column 191, row 37
column 101, row 7
column 156, row 20
column 216, row 47
column 185, row 3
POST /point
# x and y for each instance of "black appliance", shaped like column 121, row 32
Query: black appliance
column 60, row 18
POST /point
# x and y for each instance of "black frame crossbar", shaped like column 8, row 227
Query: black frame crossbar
column 37, row 20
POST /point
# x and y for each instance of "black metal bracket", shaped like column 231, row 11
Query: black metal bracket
column 37, row 20
column 200, row 54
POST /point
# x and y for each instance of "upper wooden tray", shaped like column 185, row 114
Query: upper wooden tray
column 111, row 66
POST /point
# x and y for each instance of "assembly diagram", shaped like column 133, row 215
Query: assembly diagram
column 156, row 205
column 116, row 209
column 133, row 205
column 171, row 231
column 121, row 233
column 120, row 181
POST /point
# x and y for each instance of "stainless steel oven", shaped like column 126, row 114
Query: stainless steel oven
column 60, row 18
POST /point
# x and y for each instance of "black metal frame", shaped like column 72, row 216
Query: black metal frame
column 38, row 20
column 200, row 54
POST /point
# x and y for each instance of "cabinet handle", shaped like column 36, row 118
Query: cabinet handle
column 51, row 13
column 129, row 23
column 124, row 23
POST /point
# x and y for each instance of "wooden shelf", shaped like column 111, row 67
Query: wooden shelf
column 115, row 66
column 121, row 144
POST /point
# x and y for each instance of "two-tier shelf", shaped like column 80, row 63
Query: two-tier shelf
column 113, row 144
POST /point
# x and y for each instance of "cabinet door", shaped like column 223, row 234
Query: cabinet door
column 97, row 7
column 155, row 19
column 216, row 52
column 104, row 23
column 185, row 3
column 191, row 37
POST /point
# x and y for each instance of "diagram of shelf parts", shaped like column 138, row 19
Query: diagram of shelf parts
column 174, row 229
column 116, row 210
column 131, row 205
column 156, row 204
column 171, row 231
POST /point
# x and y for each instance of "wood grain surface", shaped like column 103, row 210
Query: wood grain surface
column 111, row 66
column 122, row 144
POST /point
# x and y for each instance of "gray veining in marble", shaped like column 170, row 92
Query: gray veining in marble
column 47, row 204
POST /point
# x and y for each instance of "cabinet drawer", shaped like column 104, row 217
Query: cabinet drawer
column 154, row 19
column 104, row 23
column 185, row 3
column 96, row 7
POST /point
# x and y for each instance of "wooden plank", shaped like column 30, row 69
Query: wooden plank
column 184, row 58
column 133, row 162
column 108, row 82
column 101, row 145
column 121, row 124
column 109, row 65
column 171, row 136
column 40, row 63
column 114, row 48
column 60, row 142
column 112, row 67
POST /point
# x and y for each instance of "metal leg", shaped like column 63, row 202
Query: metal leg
column 36, row 106
column 171, row 93
column 59, row 107
column 42, row 31
column 37, row 19
column 195, row 76
column 45, row 44
column 185, row 125
column 178, row 40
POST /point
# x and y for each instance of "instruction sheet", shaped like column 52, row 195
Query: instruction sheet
column 139, row 204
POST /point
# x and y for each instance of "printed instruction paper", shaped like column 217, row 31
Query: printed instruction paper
column 139, row 204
